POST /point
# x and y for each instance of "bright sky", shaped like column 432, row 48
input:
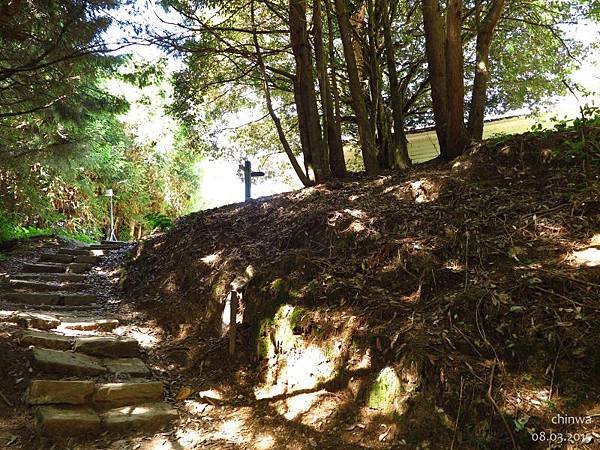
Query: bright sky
column 221, row 183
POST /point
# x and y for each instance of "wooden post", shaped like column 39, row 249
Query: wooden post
column 248, row 174
column 233, row 322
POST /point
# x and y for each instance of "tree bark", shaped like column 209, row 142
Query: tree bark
column 456, row 133
column 436, row 59
column 280, row 132
column 307, row 111
column 366, row 138
column 482, row 74
column 340, row 162
column 337, row 164
column 400, row 159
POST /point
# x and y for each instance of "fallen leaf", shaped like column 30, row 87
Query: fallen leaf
column 184, row 394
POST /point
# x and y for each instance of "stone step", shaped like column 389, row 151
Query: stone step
column 63, row 258
column 149, row 416
column 117, row 243
column 67, row 363
column 74, row 363
column 46, row 286
column 48, row 392
column 77, row 268
column 107, row 346
column 44, row 268
column 121, row 394
column 127, row 367
column 80, row 252
column 30, row 319
column 56, row 277
column 90, row 325
column 67, row 421
column 105, row 395
column 44, row 339
column 79, row 420
column 54, row 299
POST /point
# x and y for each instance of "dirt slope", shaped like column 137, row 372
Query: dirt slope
column 468, row 293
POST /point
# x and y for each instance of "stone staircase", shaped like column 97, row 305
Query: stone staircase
column 89, row 380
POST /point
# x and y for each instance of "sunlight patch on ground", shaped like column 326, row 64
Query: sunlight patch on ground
column 144, row 335
column 590, row 257
column 264, row 442
column 211, row 260
column 212, row 394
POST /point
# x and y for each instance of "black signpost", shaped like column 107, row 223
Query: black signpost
column 248, row 174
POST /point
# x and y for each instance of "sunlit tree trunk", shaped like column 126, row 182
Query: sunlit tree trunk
column 482, row 74
column 308, row 113
column 366, row 137
column 456, row 132
column 400, row 158
column 335, row 154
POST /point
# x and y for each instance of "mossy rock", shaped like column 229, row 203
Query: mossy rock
column 279, row 329
column 385, row 391
column 394, row 386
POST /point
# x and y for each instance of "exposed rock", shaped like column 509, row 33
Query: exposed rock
column 45, row 392
column 51, row 299
column 150, row 416
column 67, row 421
column 67, row 363
column 118, row 394
column 107, row 346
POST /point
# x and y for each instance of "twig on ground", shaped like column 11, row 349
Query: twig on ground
column 460, row 396
column 6, row 400
column 497, row 408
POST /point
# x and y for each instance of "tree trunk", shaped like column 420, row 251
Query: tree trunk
column 436, row 59
column 308, row 112
column 482, row 74
column 281, row 134
column 400, row 158
column 366, row 138
column 338, row 166
column 456, row 133
column 337, row 163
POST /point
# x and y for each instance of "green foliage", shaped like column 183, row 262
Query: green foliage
column 158, row 221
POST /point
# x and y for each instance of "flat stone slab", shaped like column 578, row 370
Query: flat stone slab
column 78, row 268
column 51, row 299
column 57, row 258
column 45, row 340
column 80, row 252
column 46, row 286
column 31, row 320
column 67, row 421
column 149, row 416
column 91, row 325
column 32, row 299
column 58, row 277
column 107, row 346
column 47, row 392
column 86, row 259
column 44, row 268
column 131, row 367
column 67, row 363
column 119, row 394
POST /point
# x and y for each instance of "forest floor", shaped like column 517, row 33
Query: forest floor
column 450, row 306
